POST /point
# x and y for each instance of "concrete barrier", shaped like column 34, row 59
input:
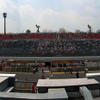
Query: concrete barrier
column 86, row 93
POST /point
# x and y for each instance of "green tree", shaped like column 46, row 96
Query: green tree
column 28, row 31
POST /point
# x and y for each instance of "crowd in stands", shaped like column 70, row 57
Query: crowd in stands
column 50, row 47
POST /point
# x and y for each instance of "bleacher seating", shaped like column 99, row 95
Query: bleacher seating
column 48, row 44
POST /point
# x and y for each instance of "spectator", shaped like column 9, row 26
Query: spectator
column 77, row 74
column 86, row 70
column 65, row 69
column 33, row 87
column 43, row 76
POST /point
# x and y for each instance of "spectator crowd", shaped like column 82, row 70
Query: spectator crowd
column 50, row 47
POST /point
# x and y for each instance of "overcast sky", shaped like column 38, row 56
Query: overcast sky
column 50, row 14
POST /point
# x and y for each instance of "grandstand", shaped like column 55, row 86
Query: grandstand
column 50, row 44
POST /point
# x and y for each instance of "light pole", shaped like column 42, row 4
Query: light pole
column 4, row 16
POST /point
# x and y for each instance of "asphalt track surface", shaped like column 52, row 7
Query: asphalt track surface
column 33, row 77
column 25, row 76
